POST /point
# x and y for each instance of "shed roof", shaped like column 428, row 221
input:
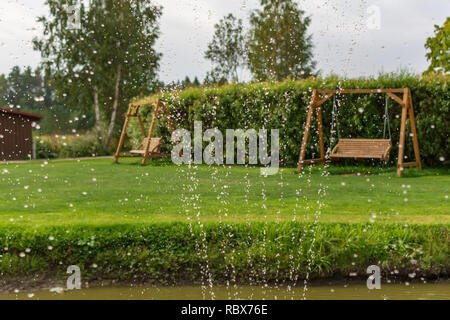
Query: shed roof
column 21, row 113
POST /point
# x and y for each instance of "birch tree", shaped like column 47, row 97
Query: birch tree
column 100, row 54
column 226, row 49
column 279, row 46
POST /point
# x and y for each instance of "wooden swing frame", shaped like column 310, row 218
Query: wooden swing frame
column 133, row 112
column 319, row 97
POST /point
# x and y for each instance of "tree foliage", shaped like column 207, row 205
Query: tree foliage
column 28, row 90
column 22, row 87
column 3, row 90
column 107, row 60
column 439, row 49
column 283, row 105
column 187, row 83
column 226, row 50
column 278, row 45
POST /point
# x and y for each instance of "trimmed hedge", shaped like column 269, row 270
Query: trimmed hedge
column 250, row 253
column 284, row 106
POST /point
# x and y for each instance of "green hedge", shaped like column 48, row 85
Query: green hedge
column 84, row 145
column 252, row 253
column 284, row 106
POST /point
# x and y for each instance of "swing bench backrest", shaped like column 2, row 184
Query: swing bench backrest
column 155, row 147
column 362, row 149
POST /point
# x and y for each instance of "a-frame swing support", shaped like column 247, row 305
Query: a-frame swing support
column 319, row 97
column 133, row 112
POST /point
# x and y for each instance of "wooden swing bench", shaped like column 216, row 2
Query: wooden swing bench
column 153, row 145
column 362, row 149
column 154, row 150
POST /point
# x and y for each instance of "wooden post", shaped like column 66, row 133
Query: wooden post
column 150, row 133
column 122, row 135
column 307, row 128
column 141, row 125
column 321, row 142
column 407, row 110
column 414, row 131
column 401, row 146
column 169, row 121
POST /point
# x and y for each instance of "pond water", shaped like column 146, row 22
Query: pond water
column 337, row 292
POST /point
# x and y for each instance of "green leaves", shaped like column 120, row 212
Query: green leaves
column 439, row 46
column 166, row 252
column 226, row 50
column 111, row 54
column 279, row 46
column 283, row 105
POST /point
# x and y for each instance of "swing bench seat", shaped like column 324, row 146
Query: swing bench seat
column 153, row 152
column 362, row 149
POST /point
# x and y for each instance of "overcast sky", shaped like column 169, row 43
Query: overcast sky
column 344, row 32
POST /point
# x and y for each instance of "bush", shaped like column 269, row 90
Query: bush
column 284, row 106
column 45, row 149
column 173, row 252
column 83, row 146
column 70, row 146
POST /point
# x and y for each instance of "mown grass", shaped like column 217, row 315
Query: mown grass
column 96, row 192
column 159, row 222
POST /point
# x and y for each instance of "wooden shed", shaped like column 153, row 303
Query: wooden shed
column 16, row 139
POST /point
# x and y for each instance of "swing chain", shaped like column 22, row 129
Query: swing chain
column 335, row 117
column 387, row 125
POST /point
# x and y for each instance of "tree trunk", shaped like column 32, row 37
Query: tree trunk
column 115, row 105
column 97, row 116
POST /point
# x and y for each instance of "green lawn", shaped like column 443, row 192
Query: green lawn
column 129, row 221
column 98, row 192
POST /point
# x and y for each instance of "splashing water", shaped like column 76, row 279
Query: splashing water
column 190, row 200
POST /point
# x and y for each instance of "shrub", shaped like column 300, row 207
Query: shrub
column 45, row 149
column 172, row 252
column 283, row 105
column 70, row 146
column 83, row 146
